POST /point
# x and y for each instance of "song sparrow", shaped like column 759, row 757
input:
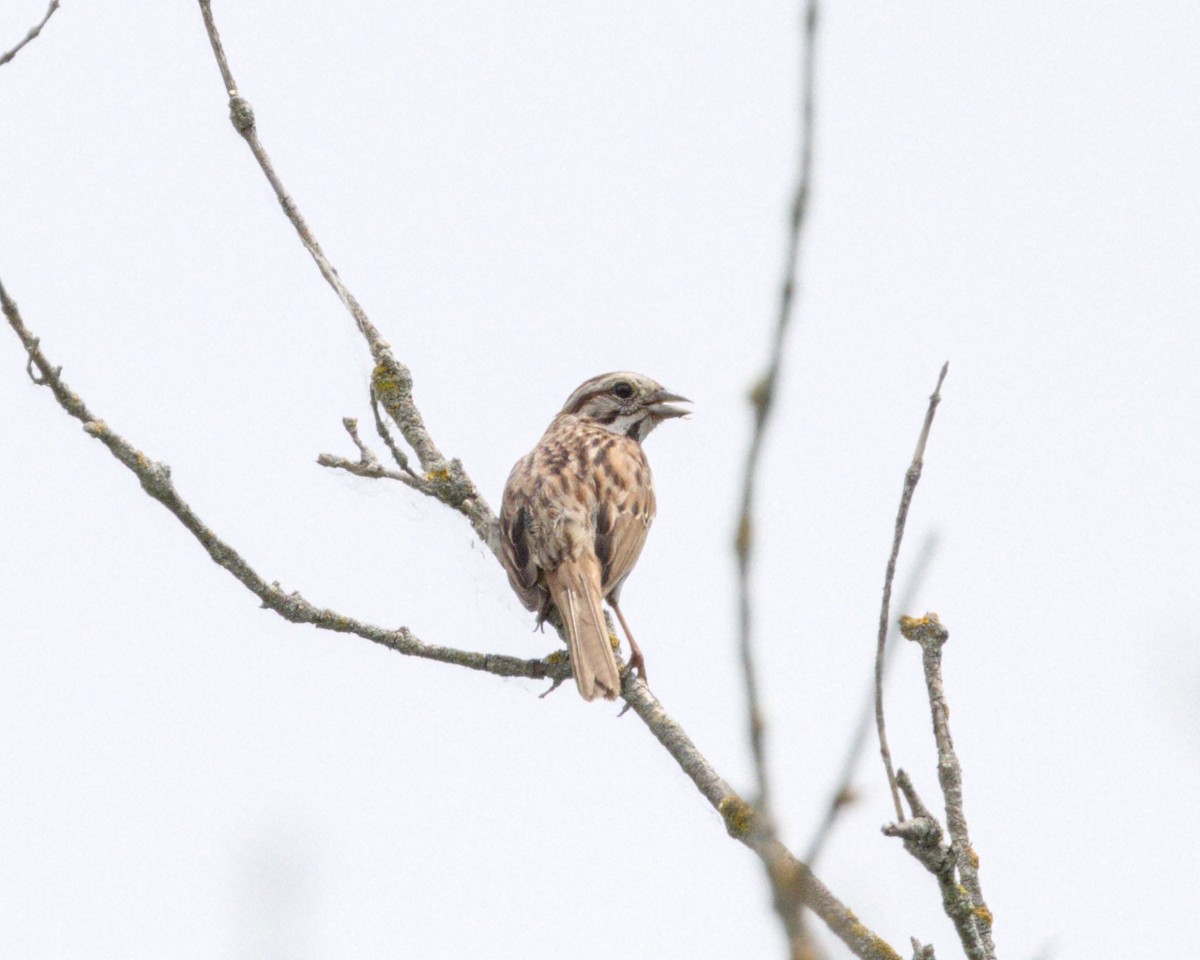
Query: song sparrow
column 575, row 515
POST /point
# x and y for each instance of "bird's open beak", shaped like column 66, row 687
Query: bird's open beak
column 660, row 405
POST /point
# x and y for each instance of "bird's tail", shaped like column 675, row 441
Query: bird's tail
column 575, row 589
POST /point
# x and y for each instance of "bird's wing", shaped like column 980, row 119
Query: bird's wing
column 622, row 521
column 516, row 525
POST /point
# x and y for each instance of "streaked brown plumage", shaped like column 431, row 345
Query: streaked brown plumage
column 576, row 512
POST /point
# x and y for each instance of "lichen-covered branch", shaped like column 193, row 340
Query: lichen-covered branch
column 932, row 635
column 31, row 35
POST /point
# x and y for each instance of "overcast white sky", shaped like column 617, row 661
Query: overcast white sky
column 523, row 195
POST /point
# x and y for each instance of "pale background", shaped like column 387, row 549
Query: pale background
column 523, row 195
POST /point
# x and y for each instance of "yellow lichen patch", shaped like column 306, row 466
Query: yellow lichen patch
column 909, row 624
column 384, row 382
column 557, row 657
column 983, row 914
column 738, row 816
column 440, row 475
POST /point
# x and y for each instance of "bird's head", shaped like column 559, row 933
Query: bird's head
column 626, row 403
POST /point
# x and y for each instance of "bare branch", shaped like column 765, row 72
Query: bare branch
column 368, row 466
column 843, row 793
column 391, row 381
column 31, row 35
column 929, row 632
column 368, row 471
column 910, row 486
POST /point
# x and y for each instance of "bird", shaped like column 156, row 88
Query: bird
column 575, row 514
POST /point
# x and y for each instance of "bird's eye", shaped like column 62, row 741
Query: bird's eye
column 623, row 390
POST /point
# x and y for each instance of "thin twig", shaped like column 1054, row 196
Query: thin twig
column 741, row 820
column 365, row 454
column 929, row 632
column 368, row 471
column 31, row 35
column 368, row 465
column 910, row 485
column 762, row 400
column 921, row 952
column 843, row 793
column 391, row 381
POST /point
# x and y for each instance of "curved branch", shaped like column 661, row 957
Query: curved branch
column 910, row 485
